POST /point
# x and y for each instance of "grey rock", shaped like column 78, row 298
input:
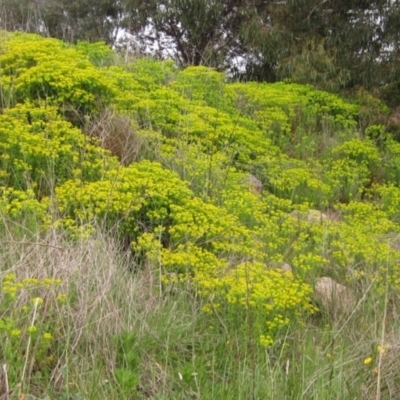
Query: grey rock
column 311, row 216
column 286, row 267
column 254, row 184
column 333, row 296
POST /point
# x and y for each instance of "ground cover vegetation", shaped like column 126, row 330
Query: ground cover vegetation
column 140, row 259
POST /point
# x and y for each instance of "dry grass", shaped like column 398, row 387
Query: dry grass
column 116, row 134
column 105, row 298
column 178, row 357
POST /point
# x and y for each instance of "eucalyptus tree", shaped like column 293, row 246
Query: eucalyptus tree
column 89, row 20
column 341, row 40
column 334, row 44
column 195, row 32
column 21, row 15
column 70, row 20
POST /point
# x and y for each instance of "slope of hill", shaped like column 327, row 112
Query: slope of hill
column 208, row 188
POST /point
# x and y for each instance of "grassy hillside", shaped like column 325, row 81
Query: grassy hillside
column 148, row 220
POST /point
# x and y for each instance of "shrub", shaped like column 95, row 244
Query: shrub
column 39, row 150
column 45, row 70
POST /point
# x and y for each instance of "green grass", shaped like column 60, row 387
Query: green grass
column 123, row 335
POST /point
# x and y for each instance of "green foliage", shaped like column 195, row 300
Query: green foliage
column 99, row 53
column 186, row 208
column 39, row 150
column 231, row 181
column 127, row 371
column 23, row 206
column 136, row 198
column 151, row 73
column 28, row 327
column 313, row 64
column 202, row 242
column 361, row 152
column 201, row 85
column 391, row 159
column 37, row 70
column 388, row 199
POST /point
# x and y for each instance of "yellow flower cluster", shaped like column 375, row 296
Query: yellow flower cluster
column 34, row 69
column 194, row 214
column 17, row 317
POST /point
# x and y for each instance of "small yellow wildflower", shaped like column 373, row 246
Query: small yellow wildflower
column 30, row 281
column 207, row 308
column 47, row 281
column 16, row 332
column 62, row 298
column 37, row 301
column 32, row 329
column 47, row 336
column 265, row 340
column 368, row 361
column 12, row 290
column 329, row 355
column 10, row 277
column 383, row 349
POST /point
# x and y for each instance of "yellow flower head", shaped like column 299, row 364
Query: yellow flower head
column 62, row 298
column 47, row 282
column 32, row 329
column 10, row 277
column 383, row 349
column 368, row 361
column 15, row 332
column 37, row 301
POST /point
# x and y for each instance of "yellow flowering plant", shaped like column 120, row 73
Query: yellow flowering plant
column 37, row 70
column 186, row 205
column 28, row 324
